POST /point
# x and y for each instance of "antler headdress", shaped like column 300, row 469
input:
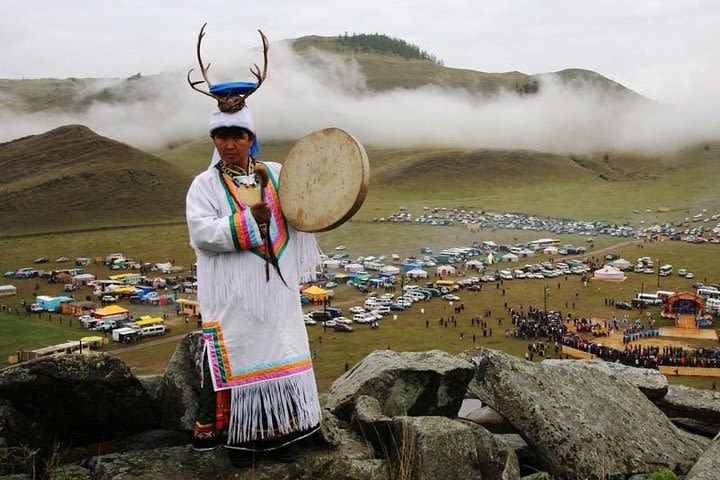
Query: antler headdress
column 230, row 96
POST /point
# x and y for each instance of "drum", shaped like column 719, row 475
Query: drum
column 324, row 180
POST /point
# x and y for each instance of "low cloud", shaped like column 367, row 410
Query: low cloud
column 302, row 95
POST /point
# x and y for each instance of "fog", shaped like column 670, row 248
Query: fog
column 301, row 96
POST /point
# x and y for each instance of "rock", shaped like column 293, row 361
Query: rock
column 18, row 430
column 709, row 430
column 354, row 461
column 580, row 421
column 154, row 439
column 374, row 427
column 438, row 447
column 491, row 420
column 469, row 405
column 79, row 398
column 151, row 384
column 650, row 382
column 687, row 402
column 708, row 465
column 537, row 476
column 406, row 383
column 526, row 457
column 180, row 385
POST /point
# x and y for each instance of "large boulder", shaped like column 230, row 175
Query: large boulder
column 79, row 398
column 687, row 402
column 428, row 448
column 353, row 462
column 708, row 465
column 580, row 421
column 650, row 382
column 405, row 383
column 179, row 389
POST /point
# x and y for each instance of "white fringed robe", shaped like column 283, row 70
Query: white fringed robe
column 254, row 336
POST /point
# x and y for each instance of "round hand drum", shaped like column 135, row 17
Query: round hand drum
column 324, row 180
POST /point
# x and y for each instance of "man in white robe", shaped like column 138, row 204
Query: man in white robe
column 259, row 391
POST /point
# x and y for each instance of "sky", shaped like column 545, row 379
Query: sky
column 663, row 50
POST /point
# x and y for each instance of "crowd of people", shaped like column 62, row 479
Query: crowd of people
column 537, row 324
column 646, row 356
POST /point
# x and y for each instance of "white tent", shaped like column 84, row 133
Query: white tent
column 621, row 264
column 390, row 270
column 551, row 250
column 331, row 264
column 510, row 257
column 476, row 264
column 82, row 279
column 354, row 268
column 417, row 273
column 609, row 274
column 445, row 270
column 527, row 253
column 7, row 290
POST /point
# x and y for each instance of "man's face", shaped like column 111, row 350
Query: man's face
column 233, row 145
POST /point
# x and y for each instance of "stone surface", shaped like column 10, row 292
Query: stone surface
column 697, row 427
column 79, row 398
column 650, row 382
column 180, row 385
column 490, row 419
column 526, row 457
column 708, row 465
column 580, row 421
column 406, row 383
column 687, row 402
column 353, row 462
column 16, row 429
column 428, row 448
column 537, row 476
column 151, row 384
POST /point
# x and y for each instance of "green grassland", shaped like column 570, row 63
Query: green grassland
column 334, row 350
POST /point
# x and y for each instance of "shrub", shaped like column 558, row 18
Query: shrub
column 662, row 474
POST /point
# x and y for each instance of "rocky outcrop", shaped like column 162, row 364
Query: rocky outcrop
column 407, row 383
column 708, row 465
column 651, row 382
column 179, row 388
column 423, row 444
column 79, row 398
column 396, row 418
column 686, row 402
column 580, row 421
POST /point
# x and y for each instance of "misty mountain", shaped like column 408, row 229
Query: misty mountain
column 384, row 69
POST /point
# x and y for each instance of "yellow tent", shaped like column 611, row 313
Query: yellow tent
column 110, row 310
column 316, row 293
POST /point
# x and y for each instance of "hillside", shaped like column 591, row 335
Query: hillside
column 387, row 69
column 388, row 63
column 71, row 178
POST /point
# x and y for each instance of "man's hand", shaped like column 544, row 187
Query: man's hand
column 261, row 212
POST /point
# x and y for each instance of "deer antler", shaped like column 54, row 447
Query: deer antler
column 228, row 103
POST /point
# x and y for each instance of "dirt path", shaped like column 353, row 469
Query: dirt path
column 151, row 343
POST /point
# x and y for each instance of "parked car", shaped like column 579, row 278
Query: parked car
column 357, row 310
column 623, row 305
column 9, row 274
column 342, row 327
column 69, row 287
column 451, row 297
column 109, row 299
column 308, row 320
column 35, row 308
column 41, row 260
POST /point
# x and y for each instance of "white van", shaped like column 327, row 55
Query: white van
column 708, row 292
column 152, row 330
column 665, row 270
column 648, row 298
column 712, row 306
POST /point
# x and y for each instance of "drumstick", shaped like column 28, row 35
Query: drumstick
column 262, row 174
